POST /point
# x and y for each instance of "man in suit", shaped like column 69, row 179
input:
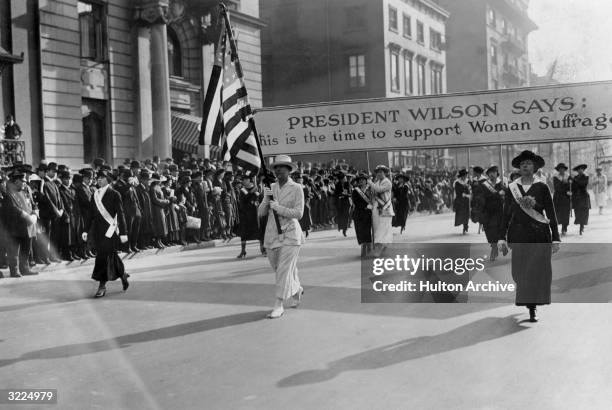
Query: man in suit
column 125, row 185
column 146, row 222
column 20, row 221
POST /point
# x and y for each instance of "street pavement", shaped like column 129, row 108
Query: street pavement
column 191, row 333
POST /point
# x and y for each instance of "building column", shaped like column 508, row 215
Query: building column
column 144, row 95
column 160, row 85
column 154, row 14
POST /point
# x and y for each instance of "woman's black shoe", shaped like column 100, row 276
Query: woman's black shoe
column 532, row 315
column 124, row 282
column 100, row 293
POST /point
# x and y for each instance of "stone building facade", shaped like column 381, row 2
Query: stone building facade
column 118, row 78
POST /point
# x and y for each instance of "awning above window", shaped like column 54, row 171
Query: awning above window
column 185, row 132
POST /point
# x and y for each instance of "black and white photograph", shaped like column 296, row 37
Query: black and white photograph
column 305, row 204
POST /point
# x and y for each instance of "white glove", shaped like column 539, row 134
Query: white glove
column 60, row 213
column 32, row 219
column 274, row 205
column 268, row 192
column 84, row 236
column 369, row 207
column 123, row 238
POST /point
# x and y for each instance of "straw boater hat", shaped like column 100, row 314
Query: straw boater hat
column 581, row 166
column 284, row 160
column 561, row 165
column 537, row 160
column 382, row 168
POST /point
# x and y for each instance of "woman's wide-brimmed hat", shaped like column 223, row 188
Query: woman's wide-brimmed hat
column 561, row 165
column 492, row 168
column 537, row 160
column 284, row 160
column 462, row 173
column 478, row 169
column 382, row 168
column 361, row 176
column 581, row 166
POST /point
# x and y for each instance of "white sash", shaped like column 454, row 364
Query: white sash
column 362, row 194
column 489, row 186
column 114, row 227
column 516, row 193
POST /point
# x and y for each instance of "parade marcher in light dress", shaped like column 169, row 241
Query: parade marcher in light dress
column 600, row 188
column 286, row 199
column 382, row 212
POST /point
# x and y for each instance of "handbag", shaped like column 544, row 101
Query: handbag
column 193, row 222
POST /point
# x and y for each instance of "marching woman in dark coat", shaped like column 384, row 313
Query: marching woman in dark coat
column 581, row 202
column 562, row 197
column 461, row 205
column 362, row 214
column 400, row 202
column 342, row 193
column 108, row 229
column 530, row 233
column 492, row 211
column 248, row 202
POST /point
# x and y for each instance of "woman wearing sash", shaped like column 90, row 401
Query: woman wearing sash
column 492, row 208
column 461, row 204
column 362, row 214
column 530, row 233
column 382, row 214
column 581, row 202
column 562, row 197
column 107, row 227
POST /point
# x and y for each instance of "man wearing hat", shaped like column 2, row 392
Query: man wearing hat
column 67, row 225
column 51, row 210
column 108, row 229
column 533, row 236
column 493, row 195
column 131, row 208
column 144, row 199
column 283, row 202
column 562, row 196
column 201, row 200
column 20, row 223
column 600, row 189
column 581, row 202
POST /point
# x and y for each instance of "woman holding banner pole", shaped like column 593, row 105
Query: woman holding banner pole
column 532, row 236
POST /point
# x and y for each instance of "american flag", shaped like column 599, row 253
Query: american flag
column 227, row 115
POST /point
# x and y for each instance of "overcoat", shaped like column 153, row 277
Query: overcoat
column 158, row 206
column 530, row 243
column 581, row 201
column 561, row 199
column 461, row 204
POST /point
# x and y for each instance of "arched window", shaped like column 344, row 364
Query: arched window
column 175, row 63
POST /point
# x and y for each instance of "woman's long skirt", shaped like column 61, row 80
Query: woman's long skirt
column 532, row 272
column 383, row 231
column 108, row 265
column 284, row 262
column 363, row 228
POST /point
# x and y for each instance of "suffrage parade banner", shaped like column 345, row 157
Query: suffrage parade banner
column 552, row 113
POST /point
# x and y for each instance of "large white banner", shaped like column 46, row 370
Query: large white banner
column 563, row 112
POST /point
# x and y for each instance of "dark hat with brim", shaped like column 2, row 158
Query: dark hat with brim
column 493, row 168
column 144, row 174
column 63, row 175
column 361, row 176
column 580, row 167
column 87, row 172
column 172, row 167
column 196, row 175
column 135, row 164
column 52, row 166
column 462, row 173
column 478, row 169
column 98, row 162
column 538, row 161
column 561, row 165
column 42, row 168
column 104, row 174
